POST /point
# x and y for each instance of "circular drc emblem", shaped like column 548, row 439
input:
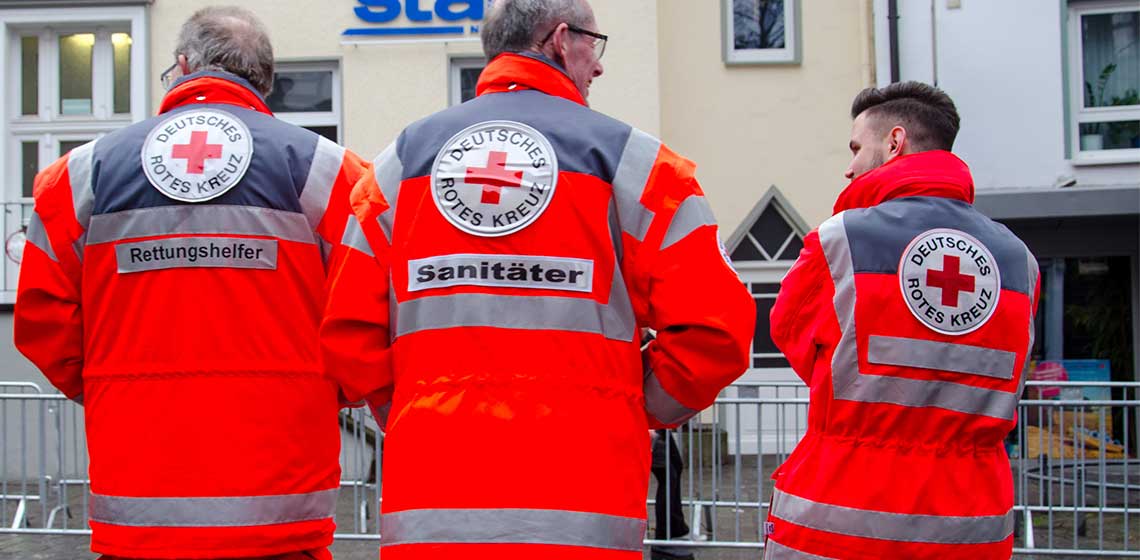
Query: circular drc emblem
column 950, row 281
column 494, row 178
column 197, row 156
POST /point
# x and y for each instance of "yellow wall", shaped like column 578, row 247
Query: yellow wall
column 749, row 127
column 386, row 87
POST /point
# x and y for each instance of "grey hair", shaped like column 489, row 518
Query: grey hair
column 516, row 25
column 228, row 39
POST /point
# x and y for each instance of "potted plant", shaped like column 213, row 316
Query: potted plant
column 1094, row 139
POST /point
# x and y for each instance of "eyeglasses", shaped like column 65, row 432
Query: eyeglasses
column 599, row 38
column 167, row 78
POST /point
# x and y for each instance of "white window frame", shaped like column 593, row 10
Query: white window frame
column 49, row 127
column 335, row 117
column 789, row 54
column 1078, row 114
column 455, row 65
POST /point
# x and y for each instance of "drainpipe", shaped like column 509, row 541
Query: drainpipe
column 893, row 26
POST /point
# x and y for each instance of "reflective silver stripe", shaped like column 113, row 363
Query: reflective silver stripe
column 776, row 551
column 850, row 384
column 662, row 405
column 618, row 313
column 514, row 526
column 1033, row 278
column 200, row 219
column 79, row 163
column 928, row 354
column 243, row 511
column 509, row 312
column 632, row 174
column 693, row 213
column 389, row 172
column 325, row 168
column 902, row 527
column 37, row 235
column 354, row 237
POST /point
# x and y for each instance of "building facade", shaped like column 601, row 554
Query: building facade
column 757, row 92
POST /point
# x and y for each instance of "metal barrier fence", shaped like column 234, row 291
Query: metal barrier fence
column 1075, row 468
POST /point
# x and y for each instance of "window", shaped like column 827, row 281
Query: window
column 73, row 75
column 463, row 79
column 1104, row 75
column 771, row 238
column 760, row 31
column 764, row 351
column 75, row 84
column 307, row 94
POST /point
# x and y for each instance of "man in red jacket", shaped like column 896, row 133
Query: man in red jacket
column 173, row 284
column 909, row 314
column 507, row 253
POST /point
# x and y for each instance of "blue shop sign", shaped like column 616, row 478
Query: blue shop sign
column 430, row 17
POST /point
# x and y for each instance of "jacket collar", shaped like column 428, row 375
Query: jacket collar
column 515, row 71
column 935, row 173
column 213, row 87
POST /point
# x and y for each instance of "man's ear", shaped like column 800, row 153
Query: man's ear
column 897, row 142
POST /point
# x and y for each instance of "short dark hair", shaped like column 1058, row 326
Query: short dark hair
column 926, row 112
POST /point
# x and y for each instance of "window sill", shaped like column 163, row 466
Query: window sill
column 1087, row 159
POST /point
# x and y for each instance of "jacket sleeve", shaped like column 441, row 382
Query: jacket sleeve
column 703, row 314
column 48, row 317
column 803, row 306
column 333, row 173
column 355, row 331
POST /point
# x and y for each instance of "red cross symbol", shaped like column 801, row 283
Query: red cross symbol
column 950, row 280
column 197, row 152
column 494, row 177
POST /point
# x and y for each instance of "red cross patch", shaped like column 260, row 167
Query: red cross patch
column 197, row 155
column 494, row 178
column 950, row 281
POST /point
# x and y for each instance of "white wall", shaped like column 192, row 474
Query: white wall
column 1002, row 63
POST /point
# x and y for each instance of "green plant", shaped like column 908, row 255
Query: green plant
column 1095, row 98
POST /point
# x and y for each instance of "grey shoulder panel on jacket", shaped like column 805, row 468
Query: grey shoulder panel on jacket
column 584, row 140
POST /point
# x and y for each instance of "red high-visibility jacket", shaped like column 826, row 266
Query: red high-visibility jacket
column 507, row 252
column 909, row 315
column 189, row 329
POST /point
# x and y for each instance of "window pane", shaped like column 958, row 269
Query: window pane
column 762, row 341
column 30, row 164
column 66, row 146
column 792, row 251
column 29, row 75
column 75, row 52
column 758, row 24
column 295, row 92
column 121, row 45
column 1123, row 135
column 746, row 251
column 770, row 363
column 771, row 230
column 1111, row 59
column 329, row 132
column 468, row 79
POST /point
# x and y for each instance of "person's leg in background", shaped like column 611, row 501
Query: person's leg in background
column 668, row 509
